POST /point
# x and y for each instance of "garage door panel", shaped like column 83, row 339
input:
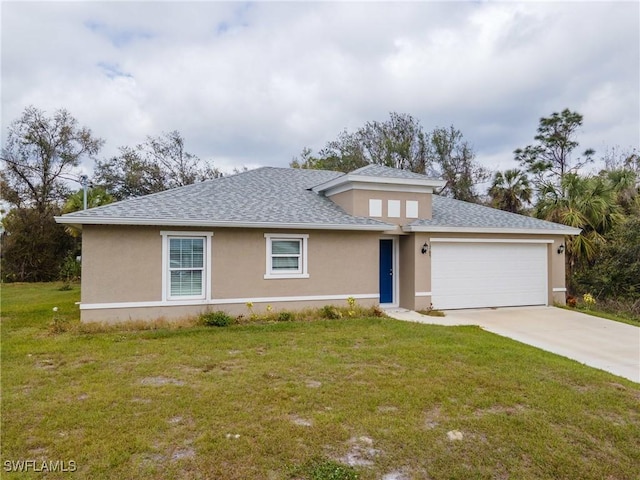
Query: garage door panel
column 475, row 275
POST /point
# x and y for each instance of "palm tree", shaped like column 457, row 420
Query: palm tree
column 626, row 187
column 96, row 197
column 510, row 191
column 588, row 203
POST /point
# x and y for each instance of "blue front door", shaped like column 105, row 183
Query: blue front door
column 386, row 271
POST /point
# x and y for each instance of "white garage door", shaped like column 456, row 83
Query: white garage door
column 476, row 275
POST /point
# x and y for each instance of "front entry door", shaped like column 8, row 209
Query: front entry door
column 386, row 271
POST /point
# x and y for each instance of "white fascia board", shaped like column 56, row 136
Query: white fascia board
column 194, row 223
column 518, row 231
column 377, row 187
column 354, row 179
column 69, row 221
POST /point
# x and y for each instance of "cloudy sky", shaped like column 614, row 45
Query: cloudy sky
column 251, row 84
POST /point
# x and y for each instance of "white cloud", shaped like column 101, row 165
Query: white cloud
column 252, row 84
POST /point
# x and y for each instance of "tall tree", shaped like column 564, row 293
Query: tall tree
column 454, row 158
column 34, row 247
column 588, row 203
column 401, row 142
column 38, row 153
column 615, row 273
column 551, row 158
column 341, row 155
column 158, row 164
column 510, row 190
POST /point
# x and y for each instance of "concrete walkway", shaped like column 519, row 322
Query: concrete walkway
column 599, row 343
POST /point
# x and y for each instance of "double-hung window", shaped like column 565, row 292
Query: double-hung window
column 186, row 271
column 286, row 256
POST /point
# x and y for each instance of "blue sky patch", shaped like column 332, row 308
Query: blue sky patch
column 112, row 70
column 117, row 36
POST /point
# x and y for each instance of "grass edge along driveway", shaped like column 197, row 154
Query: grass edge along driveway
column 260, row 401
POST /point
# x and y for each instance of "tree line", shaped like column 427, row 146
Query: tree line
column 548, row 181
column 39, row 158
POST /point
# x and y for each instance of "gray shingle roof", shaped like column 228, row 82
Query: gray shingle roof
column 448, row 212
column 265, row 195
column 283, row 197
column 387, row 172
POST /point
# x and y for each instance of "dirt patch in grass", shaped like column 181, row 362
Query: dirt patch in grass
column 499, row 410
column 302, row 422
column 361, row 452
column 160, row 381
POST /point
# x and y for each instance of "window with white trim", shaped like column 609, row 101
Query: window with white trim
column 286, row 256
column 186, row 265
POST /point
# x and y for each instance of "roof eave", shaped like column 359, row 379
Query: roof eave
column 518, row 231
column 348, row 178
column 382, row 227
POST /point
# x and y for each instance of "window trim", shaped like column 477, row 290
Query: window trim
column 166, row 266
column 302, row 272
column 375, row 207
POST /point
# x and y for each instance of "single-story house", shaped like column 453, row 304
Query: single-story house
column 294, row 238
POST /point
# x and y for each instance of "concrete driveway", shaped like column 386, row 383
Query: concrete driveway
column 599, row 343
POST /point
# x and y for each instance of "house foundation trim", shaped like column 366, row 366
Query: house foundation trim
column 222, row 301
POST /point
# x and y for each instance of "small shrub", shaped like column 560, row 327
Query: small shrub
column 216, row 319
column 285, row 317
column 376, row 311
column 330, row 312
column 571, row 301
column 324, row 469
column 589, row 301
column 59, row 323
column 70, row 269
column 65, row 287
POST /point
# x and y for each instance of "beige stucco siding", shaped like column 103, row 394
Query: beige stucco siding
column 121, row 264
column 338, row 263
column 407, row 271
column 356, row 202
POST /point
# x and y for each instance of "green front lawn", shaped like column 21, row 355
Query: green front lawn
column 294, row 399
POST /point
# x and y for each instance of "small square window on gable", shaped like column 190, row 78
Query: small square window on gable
column 393, row 208
column 286, row 256
column 412, row 209
column 375, row 207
